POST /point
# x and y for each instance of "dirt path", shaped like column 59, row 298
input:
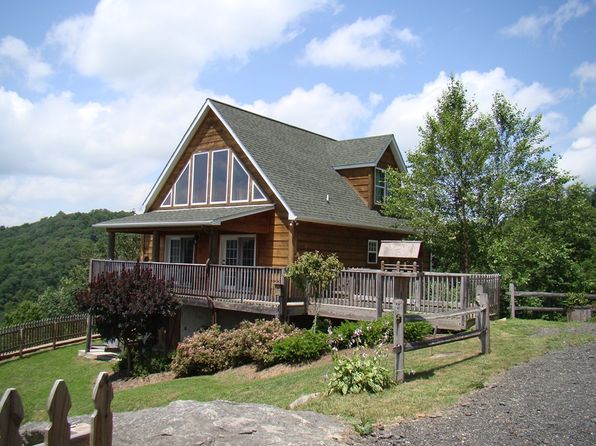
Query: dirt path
column 548, row 401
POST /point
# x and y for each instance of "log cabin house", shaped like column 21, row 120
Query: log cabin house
column 242, row 196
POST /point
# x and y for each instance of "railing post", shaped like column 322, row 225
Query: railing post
column 11, row 416
column 282, row 296
column 379, row 292
column 398, row 339
column 512, row 300
column 58, row 434
column 101, row 420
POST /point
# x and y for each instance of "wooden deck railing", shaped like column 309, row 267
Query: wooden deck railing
column 18, row 339
column 427, row 292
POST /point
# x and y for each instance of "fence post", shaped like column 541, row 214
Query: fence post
column 101, row 420
column 54, row 335
column 512, row 300
column 21, row 341
column 398, row 339
column 59, row 404
column 483, row 319
column 379, row 292
column 11, row 416
column 88, row 333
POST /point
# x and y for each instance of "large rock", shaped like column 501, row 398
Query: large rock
column 221, row 423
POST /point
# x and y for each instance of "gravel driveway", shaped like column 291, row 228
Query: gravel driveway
column 548, row 401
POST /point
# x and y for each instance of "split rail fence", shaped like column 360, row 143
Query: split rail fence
column 481, row 312
column 573, row 313
column 60, row 432
column 31, row 336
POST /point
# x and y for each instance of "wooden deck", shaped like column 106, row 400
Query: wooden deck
column 358, row 294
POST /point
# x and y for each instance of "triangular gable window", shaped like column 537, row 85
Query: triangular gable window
column 168, row 200
column 181, row 187
column 213, row 177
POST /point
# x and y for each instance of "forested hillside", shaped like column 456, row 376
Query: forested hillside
column 35, row 256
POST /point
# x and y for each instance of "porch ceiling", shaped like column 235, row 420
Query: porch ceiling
column 212, row 216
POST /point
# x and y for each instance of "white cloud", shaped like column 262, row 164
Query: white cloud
column 141, row 44
column 319, row 109
column 406, row 113
column 533, row 25
column 580, row 158
column 60, row 154
column 18, row 59
column 366, row 43
column 586, row 73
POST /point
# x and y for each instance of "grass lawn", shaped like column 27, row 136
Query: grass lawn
column 436, row 378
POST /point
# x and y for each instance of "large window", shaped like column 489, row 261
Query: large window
column 199, row 178
column 380, row 186
column 181, row 187
column 213, row 177
column 219, row 176
column 239, row 181
column 373, row 249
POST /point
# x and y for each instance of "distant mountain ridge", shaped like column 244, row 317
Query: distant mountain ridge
column 34, row 256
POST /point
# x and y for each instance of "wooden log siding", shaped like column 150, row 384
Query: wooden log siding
column 19, row 339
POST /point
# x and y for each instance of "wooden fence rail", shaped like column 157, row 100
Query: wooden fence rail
column 18, row 339
column 60, row 433
column 573, row 314
column 481, row 331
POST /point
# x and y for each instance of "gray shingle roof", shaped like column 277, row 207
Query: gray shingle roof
column 358, row 151
column 300, row 164
column 183, row 217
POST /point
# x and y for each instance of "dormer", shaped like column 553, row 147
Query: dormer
column 362, row 163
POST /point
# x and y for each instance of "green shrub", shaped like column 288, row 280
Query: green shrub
column 300, row 347
column 358, row 373
column 369, row 334
column 417, row 330
column 212, row 350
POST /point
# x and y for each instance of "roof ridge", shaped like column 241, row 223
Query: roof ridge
column 384, row 135
column 273, row 120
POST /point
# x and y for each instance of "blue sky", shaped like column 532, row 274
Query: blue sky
column 94, row 96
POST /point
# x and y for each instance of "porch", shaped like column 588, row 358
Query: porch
column 359, row 294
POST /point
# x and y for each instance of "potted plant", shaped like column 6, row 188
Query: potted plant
column 578, row 307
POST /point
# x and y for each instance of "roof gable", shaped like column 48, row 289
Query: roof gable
column 297, row 165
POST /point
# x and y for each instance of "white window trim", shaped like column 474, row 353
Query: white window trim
column 168, row 198
column 376, row 252
column 222, row 245
column 211, row 176
column 234, row 158
column 192, row 180
column 187, row 187
column 384, row 187
column 176, row 237
column 252, row 192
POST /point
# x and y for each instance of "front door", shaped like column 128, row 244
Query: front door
column 237, row 251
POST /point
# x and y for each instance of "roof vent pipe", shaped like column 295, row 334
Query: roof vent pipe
column 327, row 198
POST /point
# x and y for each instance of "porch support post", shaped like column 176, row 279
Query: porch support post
column 292, row 242
column 111, row 245
column 155, row 247
column 213, row 246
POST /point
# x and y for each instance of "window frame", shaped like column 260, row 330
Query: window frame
column 369, row 252
column 211, row 201
column 192, row 181
column 187, row 202
column 248, row 180
column 168, row 199
column 167, row 248
column 252, row 192
column 382, row 187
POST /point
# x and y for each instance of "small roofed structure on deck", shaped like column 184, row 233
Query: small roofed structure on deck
column 401, row 255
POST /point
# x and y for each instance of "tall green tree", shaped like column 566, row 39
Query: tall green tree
column 485, row 194
column 440, row 193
